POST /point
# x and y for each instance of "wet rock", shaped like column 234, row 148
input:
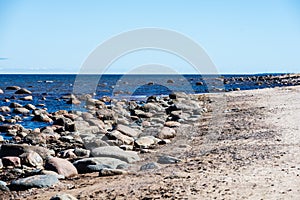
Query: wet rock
column 115, row 152
column 27, row 98
column 42, row 118
column 5, row 109
column 61, row 166
column 11, row 161
column 37, row 181
column 120, row 136
column 18, row 149
column 112, row 172
column 13, row 88
column 149, row 166
column 85, row 165
column 168, row 160
column 127, row 130
column 3, row 186
column 15, row 105
column 30, row 106
column 23, row 91
column 22, row 111
column 63, row 197
column 166, row 133
column 32, row 159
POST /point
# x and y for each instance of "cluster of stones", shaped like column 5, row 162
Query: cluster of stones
column 270, row 80
column 106, row 138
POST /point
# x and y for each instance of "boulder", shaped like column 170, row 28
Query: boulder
column 168, row 160
column 146, row 142
column 61, row 166
column 15, row 105
column 87, row 165
column 18, row 149
column 23, row 91
column 120, row 136
column 30, row 106
column 166, row 133
column 27, row 98
column 13, row 88
column 149, row 166
column 32, row 159
column 172, row 124
column 5, row 109
column 23, row 111
column 3, row 186
column 63, row 197
column 112, row 172
column 42, row 118
column 11, row 161
column 37, row 181
column 116, row 152
column 127, row 130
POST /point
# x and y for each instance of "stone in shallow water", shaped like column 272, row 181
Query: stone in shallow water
column 23, row 91
column 168, row 160
column 116, row 152
column 37, row 181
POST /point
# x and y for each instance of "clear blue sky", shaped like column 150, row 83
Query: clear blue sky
column 56, row 36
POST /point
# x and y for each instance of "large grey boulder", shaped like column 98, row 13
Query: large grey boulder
column 87, row 165
column 116, row 152
column 37, row 181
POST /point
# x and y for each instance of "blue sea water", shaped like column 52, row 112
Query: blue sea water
column 120, row 86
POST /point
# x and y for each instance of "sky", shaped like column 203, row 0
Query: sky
column 57, row 36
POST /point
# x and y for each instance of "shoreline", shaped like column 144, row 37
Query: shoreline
column 252, row 134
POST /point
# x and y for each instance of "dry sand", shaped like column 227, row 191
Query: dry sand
column 250, row 149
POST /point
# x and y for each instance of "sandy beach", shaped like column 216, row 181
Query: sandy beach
column 252, row 154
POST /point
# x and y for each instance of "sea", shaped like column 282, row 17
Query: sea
column 47, row 89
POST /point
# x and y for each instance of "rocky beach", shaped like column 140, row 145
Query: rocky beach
column 230, row 144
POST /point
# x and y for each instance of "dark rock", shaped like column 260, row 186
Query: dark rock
column 168, row 160
column 12, row 88
column 149, row 166
column 37, row 181
column 18, row 149
column 11, row 161
column 15, row 105
column 112, row 172
column 42, row 118
column 23, row 91
column 87, row 165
